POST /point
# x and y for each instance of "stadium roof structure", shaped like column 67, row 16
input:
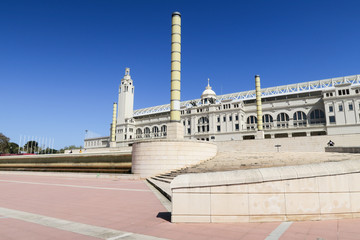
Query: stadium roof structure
column 265, row 92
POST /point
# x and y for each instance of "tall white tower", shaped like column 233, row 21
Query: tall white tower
column 125, row 122
column 126, row 98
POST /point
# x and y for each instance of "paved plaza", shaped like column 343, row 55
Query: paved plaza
column 91, row 206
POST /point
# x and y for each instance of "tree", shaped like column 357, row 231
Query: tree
column 13, row 148
column 62, row 150
column 31, row 147
column 4, row 143
column 48, row 151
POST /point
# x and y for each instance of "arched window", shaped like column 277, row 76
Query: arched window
column 147, row 132
column 203, row 124
column 203, row 120
column 282, row 120
column 299, row 119
column 317, row 116
column 155, row 131
column 138, row 133
column 163, row 130
column 267, row 121
column 251, row 123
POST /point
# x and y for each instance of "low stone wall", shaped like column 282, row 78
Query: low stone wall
column 150, row 158
column 291, row 144
column 343, row 149
column 100, row 150
column 104, row 162
column 292, row 193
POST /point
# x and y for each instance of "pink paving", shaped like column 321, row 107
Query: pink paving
column 16, row 229
column 130, row 206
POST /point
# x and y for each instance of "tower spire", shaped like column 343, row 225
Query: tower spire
column 208, row 86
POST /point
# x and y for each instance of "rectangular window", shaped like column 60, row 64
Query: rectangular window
column 236, row 117
column 188, row 131
column 331, row 109
column 188, row 122
column 218, row 128
column 230, row 118
column 332, row 119
column 237, row 127
column 218, row 119
column 224, row 118
column 339, row 92
column 351, row 108
column 340, row 107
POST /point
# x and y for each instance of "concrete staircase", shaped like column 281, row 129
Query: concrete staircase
column 162, row 181
column 229, row 161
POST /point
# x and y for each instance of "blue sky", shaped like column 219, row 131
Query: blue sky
column 61, row 61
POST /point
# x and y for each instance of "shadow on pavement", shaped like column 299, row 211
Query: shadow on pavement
column 164, row 215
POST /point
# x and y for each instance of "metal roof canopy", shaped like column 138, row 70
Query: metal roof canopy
column 266, row 92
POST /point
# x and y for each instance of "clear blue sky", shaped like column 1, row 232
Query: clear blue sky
column 61, row 61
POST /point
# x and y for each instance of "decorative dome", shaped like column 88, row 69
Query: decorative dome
column 208, row 95
column 208, row 92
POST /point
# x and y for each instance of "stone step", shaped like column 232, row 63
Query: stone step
column 167, row 176
column 161, row 179
column 162, row 187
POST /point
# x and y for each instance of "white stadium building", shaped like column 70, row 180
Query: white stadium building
column 322, row 107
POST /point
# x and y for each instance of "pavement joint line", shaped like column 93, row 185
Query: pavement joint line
column 78, row 186
column 280, row 230
column 121, row 236
column 75, row 227
column 164, row 201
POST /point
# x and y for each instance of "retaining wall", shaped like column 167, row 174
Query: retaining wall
column 292, row 193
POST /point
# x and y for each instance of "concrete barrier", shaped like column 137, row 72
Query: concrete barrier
column 292, row 193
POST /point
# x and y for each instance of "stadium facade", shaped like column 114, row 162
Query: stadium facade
column 322, row 107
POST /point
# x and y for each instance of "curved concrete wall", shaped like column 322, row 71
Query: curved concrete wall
column 155, row 157
column 293, row 193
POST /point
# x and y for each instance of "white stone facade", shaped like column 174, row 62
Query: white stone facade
column 324, row 107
